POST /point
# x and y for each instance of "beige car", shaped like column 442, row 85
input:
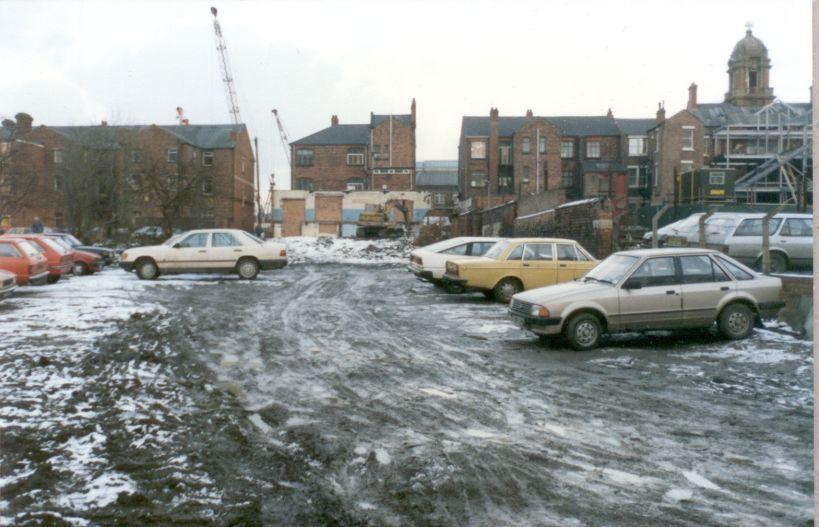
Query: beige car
column 651, row 289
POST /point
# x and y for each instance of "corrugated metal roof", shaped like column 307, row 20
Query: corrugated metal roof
column 342, row 134
column 568, row 125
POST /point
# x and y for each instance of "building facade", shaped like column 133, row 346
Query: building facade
column 105, row 177
column 375, row 156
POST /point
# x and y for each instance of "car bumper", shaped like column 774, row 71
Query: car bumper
column 770, row 309
column 38, row 279
column 4, row 293
column 128, row 266
column 268, row 265
column 539, row 325
column 450, row 281
column 59, row 270
column 420, row 273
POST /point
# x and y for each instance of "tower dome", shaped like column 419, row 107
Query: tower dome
column 748, row 73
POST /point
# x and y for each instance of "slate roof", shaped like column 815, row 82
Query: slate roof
column 436, row 173
column 376, row 119
column 635, row 126
column 478, row 126
column 205, row 136
column 342, row 134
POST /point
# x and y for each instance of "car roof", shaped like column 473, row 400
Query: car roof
column 668, row 251
column 542, row 240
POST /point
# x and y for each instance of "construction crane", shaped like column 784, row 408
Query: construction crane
column 283, row 135
column 227, row 76
column 180, row 117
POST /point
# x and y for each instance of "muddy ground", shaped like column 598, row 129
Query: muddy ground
column 337, row 394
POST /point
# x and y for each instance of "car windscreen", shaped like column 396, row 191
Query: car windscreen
column 39, row 248
column 54, row 245
column 62, row 243
column 613, row 269
column 173, row 239
column 29, row 248
column 497, row 250
column 73, row 241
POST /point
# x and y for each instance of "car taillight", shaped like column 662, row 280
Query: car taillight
column 724, row 249
column 283, row 253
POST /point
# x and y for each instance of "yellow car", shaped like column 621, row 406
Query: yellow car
column 518, row 264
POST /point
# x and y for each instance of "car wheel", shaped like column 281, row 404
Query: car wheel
column 147, row 270
column 778, row 263
column 80, row 268
column 53, row 279
column 736, row 321
column 506, row 289
column 247, row 269
column 583, row 332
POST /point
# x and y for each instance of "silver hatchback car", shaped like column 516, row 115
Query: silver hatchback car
column 651, row 289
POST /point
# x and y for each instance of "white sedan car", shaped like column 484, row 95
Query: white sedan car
column 206, row 251
column 428, row 263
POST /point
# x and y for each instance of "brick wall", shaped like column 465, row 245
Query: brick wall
column 575, row 222
column 329, row 214
column 329, row 170
column 671, row 153
column 293, row 216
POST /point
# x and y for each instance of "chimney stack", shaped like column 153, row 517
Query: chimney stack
column 412, row 113
column 692, row 97
column 529, row 113
column 609, row 114
column 24, row 121
column 9, row 124
column 493, row 114
column 334, row 120
column 660, row 113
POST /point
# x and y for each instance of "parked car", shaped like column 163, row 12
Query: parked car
column 790, row 241
column 108, row 255
column 60, row 261
column 151, row 234
column 21, row 258
column 8, row 283
column 85, row 263
column 517, row 264
column 206, row 251
column 428, row 263
column 652, row 289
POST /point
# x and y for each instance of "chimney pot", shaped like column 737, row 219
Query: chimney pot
column 609, row 114
column 412, row 112
column 24, row 121
column 493, row 114
column 334, row 120
column 660, row 113
column 692, row 96
column 529, row 113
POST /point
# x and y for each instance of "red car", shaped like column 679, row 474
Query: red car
column 84, row 261
column 21, row 258
column 60, row 261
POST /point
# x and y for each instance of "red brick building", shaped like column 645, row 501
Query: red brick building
column 375, row 156
column 110, row 177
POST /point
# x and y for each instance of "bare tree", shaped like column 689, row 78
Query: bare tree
column 18, row 179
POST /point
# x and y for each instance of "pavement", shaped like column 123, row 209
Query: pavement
column 353, row 394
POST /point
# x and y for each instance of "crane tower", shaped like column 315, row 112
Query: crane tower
column 227, row 76
column 283, row 135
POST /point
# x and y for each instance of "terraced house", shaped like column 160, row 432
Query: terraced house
column 102, row 178
column 375, row 156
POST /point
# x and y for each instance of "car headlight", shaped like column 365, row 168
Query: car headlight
column 452, row 268
column 125, row 256
column 540, row 311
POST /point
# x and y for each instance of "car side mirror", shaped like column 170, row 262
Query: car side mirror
column 633, row 283
column 176, row 246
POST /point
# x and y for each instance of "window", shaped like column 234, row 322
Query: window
column 304, row 184
column 688, row 138
column 706, row 147
column 477, row 179
column 356, row 183
column 686, row 166
column 636, row 177
column 526, row 146
column 477, row 150
column 243, row 167
column 753, row 227
column 593, row 149
column 355, row 156
column 657, row 139
column 304, row 157
column 752, row 82
column 207, row 186
column 738, row 272
column 7, row 250
column 439, row 198
column 797, row 227
column 566, row 251
column 567, row 149
column 376, row 151
column 716, row 178
column 480, row 248
column 656, row 272
column 224, row 239
column 505, row 182
column 516, row 254
column 636, row 145
column 567, row 179
column 207, row 159
column 58, row 155
column 136, row 156
column 525, row 177
column 541, row 146
column 538, row 251
column 700, row 269
column 656, row 177
column 505, row 158
column 459, row 250
column 171, row 155
column 200, row 239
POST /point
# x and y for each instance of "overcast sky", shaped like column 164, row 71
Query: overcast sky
column 79, row 62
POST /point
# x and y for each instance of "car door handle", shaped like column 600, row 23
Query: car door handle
column 202, row 251
column 562, row 265
column 237, row 250
column 525, row 265
column 671, row 292
column 725, row 288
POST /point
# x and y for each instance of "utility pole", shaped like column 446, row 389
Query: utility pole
column 258, row 188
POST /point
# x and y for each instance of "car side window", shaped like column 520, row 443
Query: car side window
column 753, row 227
column 700, row 269
column 516, row 254
column 736, row 271
column 224, row 239
column 656, row 272
column 200, row 239
column 459, row 250
column 566, row 252
column 7, row 250
column 538, row 251
column 797, row 227
column 581, row 256
column 480, row 248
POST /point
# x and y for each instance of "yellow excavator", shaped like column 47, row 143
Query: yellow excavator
column 374, row 221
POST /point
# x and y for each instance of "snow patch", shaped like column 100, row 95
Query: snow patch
column 700, row 481
column 382, row 456
column 438, row 393
column 302, row 249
